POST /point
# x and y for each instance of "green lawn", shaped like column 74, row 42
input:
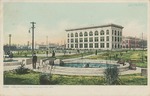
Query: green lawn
column 74, row 55
column 32, row 78
column 135, row 56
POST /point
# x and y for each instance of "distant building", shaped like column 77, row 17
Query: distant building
column 50, row 46
column 7, row 48
column 105, row 37
column 133, row 43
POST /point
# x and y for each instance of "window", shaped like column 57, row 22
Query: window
column 76, row 34
column 71, row 45
column 68, row 34
column 81, row 45
column 68, row 40
column 91, row 39
column 118, row 39
column 81, row 34
column 102, row 45
column 107, row 45
column 85, row 34
column 112, row 46
column 91, row 33
column 102, row 32
column 91, row 45
column 81, row 40
column 107, row 38
column 85, row 45
column 71, row 34
column 101, row 38
column 112, row 38
column 118, row 46
column 118, row 33
column 112, row 32
column 115, row 32
column 85, row 39
column 107, row 32
column 115, row 38
column 96, row 45
column 96, row 39
column 68, row 45
column 72, row 41
column 96, row 33
column 115, row 46
column 76, row 45
column 76, row 40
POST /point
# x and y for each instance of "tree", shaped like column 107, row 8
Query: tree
column 95, row 52
column 111, row 75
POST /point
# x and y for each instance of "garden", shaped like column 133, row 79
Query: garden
column 23, row 76
column 139, row 57
column 33, row 78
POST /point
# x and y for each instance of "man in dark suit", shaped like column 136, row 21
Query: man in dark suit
column 34, row 60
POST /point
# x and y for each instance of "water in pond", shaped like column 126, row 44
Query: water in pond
column 88, row 65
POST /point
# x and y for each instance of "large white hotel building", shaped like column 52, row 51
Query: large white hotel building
column 105, row 37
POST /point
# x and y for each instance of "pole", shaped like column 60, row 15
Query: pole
column 27, row 45
column 142, row 48
column 47, row 42
column 142, row 42
column 32, row 36
column 9, row 41
column 134, row 43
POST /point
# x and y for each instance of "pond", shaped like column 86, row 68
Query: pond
column 89, row 65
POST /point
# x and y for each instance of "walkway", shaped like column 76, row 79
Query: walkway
column 72, row 71
column 75, row 71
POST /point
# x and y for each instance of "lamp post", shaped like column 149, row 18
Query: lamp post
column 142, row 48
column 9, row 41
column 32, row 36
column 28, row 45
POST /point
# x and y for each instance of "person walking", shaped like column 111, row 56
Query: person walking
column 34, row 60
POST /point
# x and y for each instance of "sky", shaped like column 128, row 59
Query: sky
column 53, row 18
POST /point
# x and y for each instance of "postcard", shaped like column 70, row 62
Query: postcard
column 75, row 48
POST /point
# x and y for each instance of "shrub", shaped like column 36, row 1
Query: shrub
column 45, row 78
column 112, row 76
column 22, row 70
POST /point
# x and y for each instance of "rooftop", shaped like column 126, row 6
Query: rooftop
column 108, row 25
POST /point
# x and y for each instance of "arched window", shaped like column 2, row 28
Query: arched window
column 81, row 34
column 115, row 32
column 107, row 32
column 91, row 33
column 71, row 34
column 85, row 34
column 76, row 34
column 96, row 32
column 102, row 32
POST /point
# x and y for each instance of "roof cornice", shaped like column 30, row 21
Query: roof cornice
column 108, row 25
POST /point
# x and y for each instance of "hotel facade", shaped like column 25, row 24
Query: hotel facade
column 104, row 37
